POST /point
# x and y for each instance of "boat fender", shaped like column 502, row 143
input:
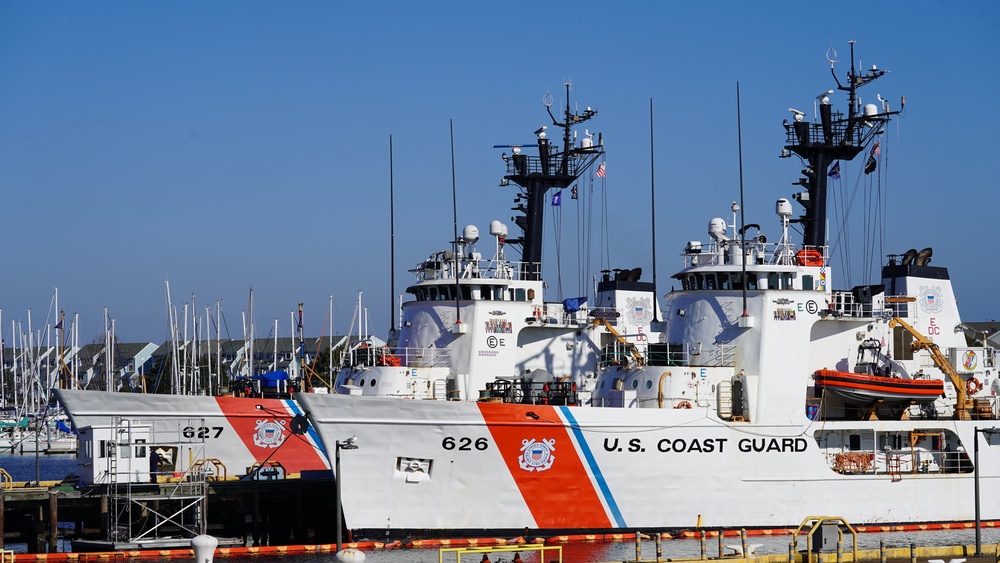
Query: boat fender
column 683, row 405
column 973, row 386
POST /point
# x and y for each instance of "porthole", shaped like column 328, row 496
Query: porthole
column 361, row 383
column 373, row 382
column 635, row 383
column 649, row 384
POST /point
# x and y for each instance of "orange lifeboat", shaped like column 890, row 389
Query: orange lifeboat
column 809, row 257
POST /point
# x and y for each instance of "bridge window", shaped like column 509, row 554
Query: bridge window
column 723, row 281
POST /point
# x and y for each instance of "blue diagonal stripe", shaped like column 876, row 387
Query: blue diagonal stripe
column 313, row 436
column 594, row 469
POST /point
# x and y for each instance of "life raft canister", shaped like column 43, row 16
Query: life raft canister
column 809, row 257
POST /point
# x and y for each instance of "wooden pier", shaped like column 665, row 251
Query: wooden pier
column 258, row 513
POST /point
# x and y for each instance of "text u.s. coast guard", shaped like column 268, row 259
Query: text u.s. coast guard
column 708, row 445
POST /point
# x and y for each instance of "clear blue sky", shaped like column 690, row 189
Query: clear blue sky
column 229, row 145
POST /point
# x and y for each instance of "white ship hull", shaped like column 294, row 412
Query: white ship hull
column 449, row 466
column 238, row 435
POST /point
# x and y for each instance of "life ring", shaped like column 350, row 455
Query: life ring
column 973, row 386
column 683, row 405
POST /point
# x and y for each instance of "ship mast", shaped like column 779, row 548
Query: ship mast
column 835, row 137
column 536, row 175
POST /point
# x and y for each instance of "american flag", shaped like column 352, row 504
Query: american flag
column 600, row 171
column 877, row 148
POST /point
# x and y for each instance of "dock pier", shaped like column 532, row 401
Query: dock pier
column 255, row 512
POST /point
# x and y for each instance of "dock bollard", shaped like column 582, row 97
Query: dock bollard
column 882, row 557
column 659, row 548
column 638, row 546
column 204, row 548
column 704, row 546
column 349, row 554
column 913, row 553
column 791, row 552
column 743, row 542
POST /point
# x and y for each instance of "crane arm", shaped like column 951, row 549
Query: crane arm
column 921, row 342
column 621, row 339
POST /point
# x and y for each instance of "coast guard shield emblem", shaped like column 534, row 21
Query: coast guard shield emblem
column 639, row 311
column 930, row 299
column 270, row 434
column 537, row 456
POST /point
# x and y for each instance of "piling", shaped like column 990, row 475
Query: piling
column 659, row 548
column 53, row 520
column 638, row 546
column 743, row 541
column 882, row 557
column 913, row 553
column 704, row 546
column 791, row 552
column 105, row 522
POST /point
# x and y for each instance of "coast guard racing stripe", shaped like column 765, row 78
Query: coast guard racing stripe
column 267, row 434
column 540, row 456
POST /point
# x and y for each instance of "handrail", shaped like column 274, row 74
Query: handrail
column 814, row 526
column 539, row 547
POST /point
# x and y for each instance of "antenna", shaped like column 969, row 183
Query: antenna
column 454, row 215
column 392, row 248
column 743, row 235
column 652, row 207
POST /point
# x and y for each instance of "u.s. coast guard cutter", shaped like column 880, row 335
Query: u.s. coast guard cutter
column 750, row 408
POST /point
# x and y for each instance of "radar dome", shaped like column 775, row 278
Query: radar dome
column 717, row 229
column 498, row 229
column 869, row 110
column 783, row 208
column 470, row 233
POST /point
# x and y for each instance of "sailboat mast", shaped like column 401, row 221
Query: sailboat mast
column 330, row 347
column 3, row 366
column 218, row 344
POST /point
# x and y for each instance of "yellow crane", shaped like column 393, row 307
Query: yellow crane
column 921, row 342
column 621, row 339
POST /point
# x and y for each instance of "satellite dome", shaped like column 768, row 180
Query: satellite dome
column 717, row 229
column 498, row 229
column 470, row 234
column 783, row 208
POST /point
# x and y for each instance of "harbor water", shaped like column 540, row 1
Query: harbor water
column 54, row 467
